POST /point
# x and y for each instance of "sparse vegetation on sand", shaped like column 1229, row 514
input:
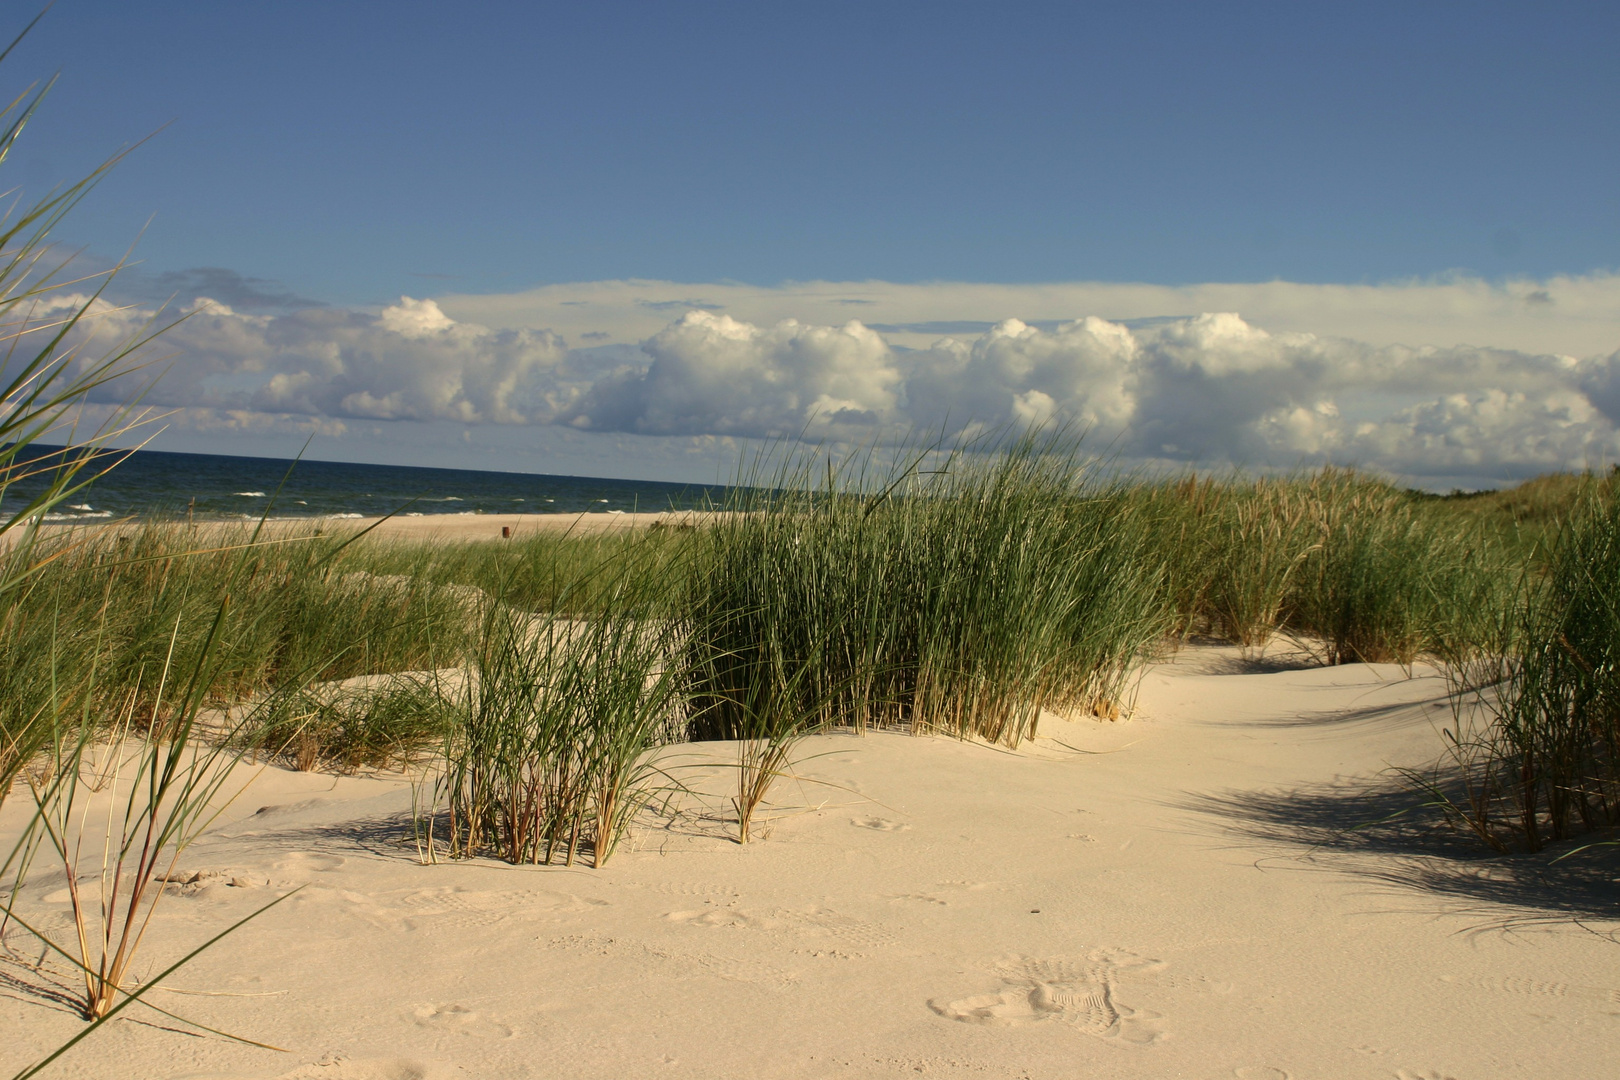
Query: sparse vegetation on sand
column 960, row 592
column 962, row 598
column 540, row 680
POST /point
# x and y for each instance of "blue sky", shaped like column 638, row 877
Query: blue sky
column 343, row 148
column 353, row 153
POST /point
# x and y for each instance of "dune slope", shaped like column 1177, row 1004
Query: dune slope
column 1171, row 896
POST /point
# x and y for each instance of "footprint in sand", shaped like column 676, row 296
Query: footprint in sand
column 948, row 892
column 459, row 1020
column 1426, row 1074
column 202, row 883
column 460, row 907
column 1080, row 992
column 879, row 824
column 815, row 920
column 845, row 928
column 337, row 1067
column 688, row 888
column 1536, row 988
column 722, row 916
column 337, row 904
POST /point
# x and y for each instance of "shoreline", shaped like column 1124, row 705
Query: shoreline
column 428, row 527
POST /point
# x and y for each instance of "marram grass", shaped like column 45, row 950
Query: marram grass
column 960, row 599
column 1537, row 733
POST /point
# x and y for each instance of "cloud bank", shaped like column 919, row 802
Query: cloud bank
column 1577, row 315
column 1206, row 389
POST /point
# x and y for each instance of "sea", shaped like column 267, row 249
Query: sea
column 161, row 484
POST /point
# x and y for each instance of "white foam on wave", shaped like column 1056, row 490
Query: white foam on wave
column 250, row 494
column 345, row 515
column 75, row 517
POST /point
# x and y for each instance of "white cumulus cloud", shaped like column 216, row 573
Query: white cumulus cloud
column 408, row 362
column 1203, row 388
column 712, row 375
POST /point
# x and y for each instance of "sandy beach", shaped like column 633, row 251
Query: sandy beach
column 454, row 527
column 436, row 528
column 1169, row 896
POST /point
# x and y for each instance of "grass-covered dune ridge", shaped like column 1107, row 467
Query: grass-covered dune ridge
column 961, row 598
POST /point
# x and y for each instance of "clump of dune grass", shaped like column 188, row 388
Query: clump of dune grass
column 1348, row 566
column 341, row 728
column 1383, row 582
column 1537, row 739
column 136, row 769
column 160, row 789
column 1262, row 537
column 1230, row 550
column 961, row 593
column 550, row 746
column 116, row 806
column 129, row 782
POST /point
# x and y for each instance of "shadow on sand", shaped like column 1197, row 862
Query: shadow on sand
column 1387, row 831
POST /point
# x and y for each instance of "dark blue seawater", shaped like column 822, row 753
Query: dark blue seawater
column 160, row 484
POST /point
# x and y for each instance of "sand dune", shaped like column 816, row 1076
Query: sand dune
column 1169, row 896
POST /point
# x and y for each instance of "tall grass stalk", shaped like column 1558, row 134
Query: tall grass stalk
column 49, row 366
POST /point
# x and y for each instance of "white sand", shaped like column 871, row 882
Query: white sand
column 435, row 527
column 441, row 527
column 959, row 911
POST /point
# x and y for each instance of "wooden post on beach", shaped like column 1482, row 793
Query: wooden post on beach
column 506, row 532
